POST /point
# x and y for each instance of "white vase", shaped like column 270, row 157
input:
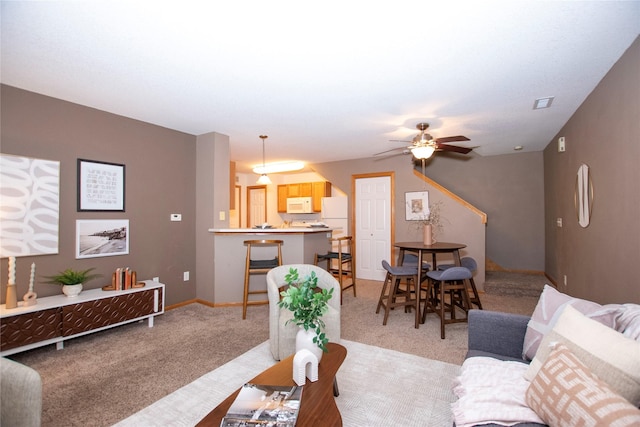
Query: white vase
column 72, row 290
column 304, row 340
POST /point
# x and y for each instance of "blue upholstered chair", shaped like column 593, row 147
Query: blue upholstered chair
column 472, row 265
column 393, row 295
column 447, row 283
column 411, row 260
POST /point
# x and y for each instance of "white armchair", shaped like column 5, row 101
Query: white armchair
column 282, row 336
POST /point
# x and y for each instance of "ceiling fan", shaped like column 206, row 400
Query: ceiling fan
column 424, row 145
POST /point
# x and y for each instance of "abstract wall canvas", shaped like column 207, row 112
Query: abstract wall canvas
column 29, row 206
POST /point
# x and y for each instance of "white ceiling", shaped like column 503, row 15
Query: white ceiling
column 328, row 80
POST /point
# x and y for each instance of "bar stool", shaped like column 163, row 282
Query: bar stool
column 472, row 265
column 446, row 281
column 258, row 266
column 411, row 260
column 391, row 291
column 342, row 258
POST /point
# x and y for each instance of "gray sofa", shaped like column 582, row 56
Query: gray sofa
column 498, row 335
column 495, row 334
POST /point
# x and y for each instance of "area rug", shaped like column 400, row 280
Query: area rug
column 378, row 387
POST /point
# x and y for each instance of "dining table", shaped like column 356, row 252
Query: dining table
column 434, row 249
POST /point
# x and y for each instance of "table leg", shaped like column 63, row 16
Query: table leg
column 400, row 257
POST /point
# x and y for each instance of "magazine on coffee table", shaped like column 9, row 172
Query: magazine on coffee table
column 264, row 405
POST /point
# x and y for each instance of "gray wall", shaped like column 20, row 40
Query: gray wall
column 600, row 261
column 160, row 177
column 508, row 188
column 521, row 196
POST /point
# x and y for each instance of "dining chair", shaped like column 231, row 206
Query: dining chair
column 472, row 265
column 444, row 283
column 341, row 263
column 393, row 295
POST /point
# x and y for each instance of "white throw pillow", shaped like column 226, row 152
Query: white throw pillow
column 548, row 309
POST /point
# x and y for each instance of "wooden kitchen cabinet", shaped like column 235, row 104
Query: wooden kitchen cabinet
column 315, row 190
column 293, row 190
column 283, row 193
column 306, row 189
column 320, row 189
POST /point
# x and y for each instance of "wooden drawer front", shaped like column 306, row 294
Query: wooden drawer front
column 95, row 314
column 29, row 328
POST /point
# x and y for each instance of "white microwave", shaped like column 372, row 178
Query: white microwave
column 297, row 205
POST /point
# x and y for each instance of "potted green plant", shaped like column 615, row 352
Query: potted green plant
column 308, row 303
column 71, row 280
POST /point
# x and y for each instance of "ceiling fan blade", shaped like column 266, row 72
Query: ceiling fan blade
column 388, row 156
column 400, row 140
column 388, row 151
column 445, row 147
column 452, row 139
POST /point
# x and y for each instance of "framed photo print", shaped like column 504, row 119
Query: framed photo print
column 416, row 205
column 100, row 186
column 101, row 237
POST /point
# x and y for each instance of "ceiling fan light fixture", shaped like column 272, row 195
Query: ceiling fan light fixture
column 423, row 152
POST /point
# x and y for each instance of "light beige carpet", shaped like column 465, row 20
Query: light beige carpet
column 102, row 378
column 378, row 387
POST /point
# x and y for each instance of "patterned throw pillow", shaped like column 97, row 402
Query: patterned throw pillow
column 548, row 309
column 566, row 393
column 608, row 354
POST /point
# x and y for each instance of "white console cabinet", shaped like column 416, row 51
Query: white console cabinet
column 58, row 318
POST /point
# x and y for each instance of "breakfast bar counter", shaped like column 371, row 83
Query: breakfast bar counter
column 300, row 244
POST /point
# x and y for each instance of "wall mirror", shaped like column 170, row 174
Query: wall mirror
column 583, row 197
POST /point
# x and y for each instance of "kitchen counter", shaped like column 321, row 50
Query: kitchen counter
column 272, row 230
column 300, row 244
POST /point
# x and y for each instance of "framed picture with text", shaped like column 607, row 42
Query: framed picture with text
column 100, row 186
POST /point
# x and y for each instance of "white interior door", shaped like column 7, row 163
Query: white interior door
column 256, row 205
column 373, row 226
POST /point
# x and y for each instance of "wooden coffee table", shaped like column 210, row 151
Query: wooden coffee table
column 318, row 407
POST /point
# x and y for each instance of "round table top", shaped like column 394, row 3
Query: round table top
column 436, row 247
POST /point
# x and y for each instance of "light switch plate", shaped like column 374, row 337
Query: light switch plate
column 176, row 217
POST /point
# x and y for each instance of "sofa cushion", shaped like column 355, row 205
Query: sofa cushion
column 548, row 309
column 565, row 392
column 611, row 356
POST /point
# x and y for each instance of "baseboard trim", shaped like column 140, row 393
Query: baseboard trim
column 212, row 305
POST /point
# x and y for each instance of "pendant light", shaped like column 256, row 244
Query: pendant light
column 264, row 179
